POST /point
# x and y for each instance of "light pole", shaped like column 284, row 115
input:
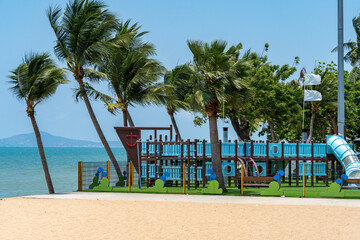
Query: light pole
column 341, row 105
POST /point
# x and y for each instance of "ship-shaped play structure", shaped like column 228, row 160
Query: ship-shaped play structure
column 153, row 158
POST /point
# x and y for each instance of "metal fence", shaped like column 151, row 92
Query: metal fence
column 89, row 169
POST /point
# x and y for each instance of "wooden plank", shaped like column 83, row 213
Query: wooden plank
column 258, row 179
column 352, row 181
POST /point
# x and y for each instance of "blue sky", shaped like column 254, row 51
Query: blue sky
column 306, row 28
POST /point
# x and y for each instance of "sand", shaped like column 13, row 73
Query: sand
column 151, row 216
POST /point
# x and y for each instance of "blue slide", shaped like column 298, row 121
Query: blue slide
column 343, row 152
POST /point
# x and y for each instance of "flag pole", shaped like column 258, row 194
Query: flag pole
column 341, row 104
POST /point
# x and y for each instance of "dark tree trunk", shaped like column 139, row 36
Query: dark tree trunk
column 131, row 123
column 124, row 111
column 173, row 121
column 242, row 131
column 42, row 153
column 236, row 125
column 332, row 121
column 215, row 150
column 271, row 125
column 99, row 131
column 311, row 127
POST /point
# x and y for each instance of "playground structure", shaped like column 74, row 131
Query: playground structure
column 160, row 155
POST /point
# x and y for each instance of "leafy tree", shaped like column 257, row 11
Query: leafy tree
column 328, row 90
column 215, row 76
column 176, row 87
column 239, row 107
column 131, row 72
column 35, row 80
column 274, row 98
column 352, row 105
column 84, row 35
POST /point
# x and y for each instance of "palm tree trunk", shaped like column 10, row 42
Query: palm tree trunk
column 236, row 126
column 332, row 121
column 124, row 111
column 173, row 121
column 42, row 154
column 271, row 125
column 215, row 150
column 99, row 132
column 131, row 123
column 311, row 126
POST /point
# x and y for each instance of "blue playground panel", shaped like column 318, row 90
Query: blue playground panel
column 228, row 149
column 175, row 171
column 319, row 169
column 262, row 169
column 228, row 169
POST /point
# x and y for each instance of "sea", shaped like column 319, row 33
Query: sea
column 22, row 173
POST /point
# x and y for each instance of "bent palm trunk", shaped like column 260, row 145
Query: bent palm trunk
column 271, row 125
column 131, row 123
column 215, row 150
column 173, row 121
column 42, row 153
column 311, row 126
column 99, row 132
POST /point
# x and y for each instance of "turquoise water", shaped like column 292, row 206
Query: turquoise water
column 22, row 172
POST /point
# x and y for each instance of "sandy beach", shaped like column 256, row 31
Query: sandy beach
column 151, row 216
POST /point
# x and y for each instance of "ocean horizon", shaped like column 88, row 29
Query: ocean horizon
column 23, row 173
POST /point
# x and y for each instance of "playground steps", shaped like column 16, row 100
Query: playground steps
column 257, row 181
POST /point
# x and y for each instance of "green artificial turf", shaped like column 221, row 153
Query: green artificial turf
column 318, row 191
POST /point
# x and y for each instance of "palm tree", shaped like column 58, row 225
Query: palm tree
column 84, row 35
column 215, row 77
column 176, row 86
column 34, row 80
column 132, row 73
column 353, row 55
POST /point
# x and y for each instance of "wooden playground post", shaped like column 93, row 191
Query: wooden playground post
column 188, row 162
column 129, row 177
column 196, row 163
column 108, row 170
column 182, row 159
column 297, row 163
column 312, row 163
column 161, row 145
column 242, row 179
column 236, row 165
column 132, row 174
column 282, row 159
column 203, row 172
column 155, row 153
column 268, row 162
column 304, row 183
column 184, row 178
column 147, row 164
column 80, row 175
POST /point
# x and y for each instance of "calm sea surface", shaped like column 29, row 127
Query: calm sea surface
column 22, row 172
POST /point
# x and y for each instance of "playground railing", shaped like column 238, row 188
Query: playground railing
column 228, row 149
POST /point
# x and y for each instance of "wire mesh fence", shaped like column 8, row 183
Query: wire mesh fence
column 89, row 170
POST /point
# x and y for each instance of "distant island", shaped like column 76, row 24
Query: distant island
column 29, row 140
